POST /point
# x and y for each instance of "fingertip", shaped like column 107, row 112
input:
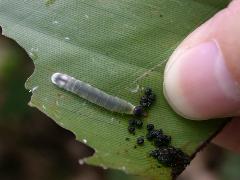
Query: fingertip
column 198, row 84
column 202, row 77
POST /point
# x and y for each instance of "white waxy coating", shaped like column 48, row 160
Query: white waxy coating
column 92, row 94
column 59, row 79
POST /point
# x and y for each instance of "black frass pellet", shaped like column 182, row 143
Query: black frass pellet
column 140, row 140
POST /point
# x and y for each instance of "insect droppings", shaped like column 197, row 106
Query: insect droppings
column 140, row 140
column 148, row 99
column 149, row 136
column 162, row 140
column 139, row 123
column 132, row 122
column 154, row 153
column 173, row 157
column 94, row 95
column 153, row 134
column 152, row 97
column 150, row 127
column 166, row 154
column 148, row 91
column 131, row 129
column 156, row 133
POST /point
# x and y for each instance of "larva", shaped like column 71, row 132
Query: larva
column 94, row 95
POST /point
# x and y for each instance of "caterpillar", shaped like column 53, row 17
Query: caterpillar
column 95, row 95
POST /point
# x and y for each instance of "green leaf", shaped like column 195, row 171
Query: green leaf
column 118, row 46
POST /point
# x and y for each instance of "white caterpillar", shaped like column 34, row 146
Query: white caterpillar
column 94, row 95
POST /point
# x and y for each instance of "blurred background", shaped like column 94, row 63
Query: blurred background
column 34, row 147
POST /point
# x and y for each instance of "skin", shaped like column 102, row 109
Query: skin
column 202, row 77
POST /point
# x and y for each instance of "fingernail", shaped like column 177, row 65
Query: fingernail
column 198, row 84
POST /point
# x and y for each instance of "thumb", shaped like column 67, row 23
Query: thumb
column 202, row 77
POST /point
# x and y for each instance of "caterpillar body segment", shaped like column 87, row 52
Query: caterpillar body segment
column 95, row 95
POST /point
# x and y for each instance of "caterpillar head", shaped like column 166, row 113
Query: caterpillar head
column 139, row 111
column 60, row 79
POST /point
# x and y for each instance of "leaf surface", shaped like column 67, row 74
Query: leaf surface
column 118, row 46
